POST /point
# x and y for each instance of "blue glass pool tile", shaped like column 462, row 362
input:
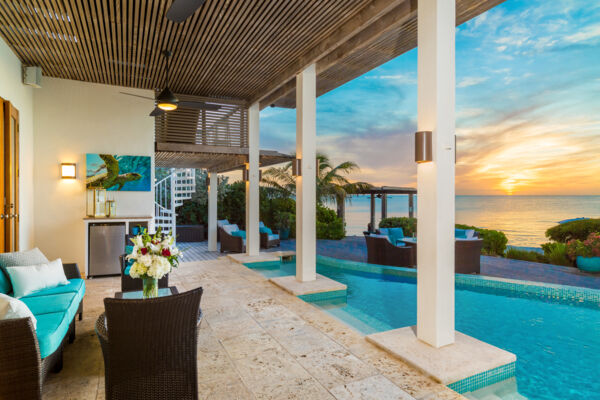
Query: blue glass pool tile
column 483, row 379
column 334, row 294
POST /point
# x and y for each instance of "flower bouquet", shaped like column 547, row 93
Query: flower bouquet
column 153, row 257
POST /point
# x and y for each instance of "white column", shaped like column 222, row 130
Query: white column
column 435, row 180
column 252, row 194
column 173, row 208
column 213, row 186
column 306, row 185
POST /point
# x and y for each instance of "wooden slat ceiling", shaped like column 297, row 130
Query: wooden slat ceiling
column 230, row 49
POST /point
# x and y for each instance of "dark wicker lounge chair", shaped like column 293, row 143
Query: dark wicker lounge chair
column 234, row 244
column 267, row 243
column 129, row 284
column 150, row 347
column 22, row 371
column 467, row 256
column 381, row 251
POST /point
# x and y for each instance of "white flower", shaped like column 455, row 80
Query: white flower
column 146, row 259
column 160, row 267
column 138, row 241
column 137, row 270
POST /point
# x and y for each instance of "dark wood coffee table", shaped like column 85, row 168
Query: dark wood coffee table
column 138, row 294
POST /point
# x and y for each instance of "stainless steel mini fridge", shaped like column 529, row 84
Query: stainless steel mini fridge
column 107, row 243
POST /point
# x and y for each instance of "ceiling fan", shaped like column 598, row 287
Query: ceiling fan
column 181, row 10
column 167, row 101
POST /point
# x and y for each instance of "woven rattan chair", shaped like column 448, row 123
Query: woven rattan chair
column 150, row 347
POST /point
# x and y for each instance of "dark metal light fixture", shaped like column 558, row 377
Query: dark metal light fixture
column 167, row 100
column 423, row 144
column 297, row 167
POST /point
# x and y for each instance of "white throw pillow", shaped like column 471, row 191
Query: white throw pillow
column 11, row 308
column 29, row 279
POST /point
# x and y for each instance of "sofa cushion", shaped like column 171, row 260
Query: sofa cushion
column 29, row 257
column 239, row 233
column 264, row 229
column 395, row 234
column 76, row 285
column 384, row 231
column 27, row 279
column 273, row 236
column 11, row 308
column 222, row 222
column 51, row 303
column 460, row 233
column 230, row 228
column 51, row 330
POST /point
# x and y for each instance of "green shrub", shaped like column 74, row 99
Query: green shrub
column 329, row 225
column 494, row 242
column 556, row 253
column 579, row 230
column 525, row 255
column 408, row 225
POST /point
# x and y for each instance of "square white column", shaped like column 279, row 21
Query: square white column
column 252, row 185
column 212, row 211
column 435, row 180
column 306, row 183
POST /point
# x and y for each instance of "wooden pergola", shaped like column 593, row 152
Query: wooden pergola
column 382, row 193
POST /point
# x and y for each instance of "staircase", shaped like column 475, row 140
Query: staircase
column 170, row 193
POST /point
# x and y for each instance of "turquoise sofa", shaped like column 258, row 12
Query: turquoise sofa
column 28, row 354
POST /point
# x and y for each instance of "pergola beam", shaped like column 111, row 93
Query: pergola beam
column 362, row 19
column 391, row 20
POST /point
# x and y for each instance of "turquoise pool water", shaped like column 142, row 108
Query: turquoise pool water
column 557, row 343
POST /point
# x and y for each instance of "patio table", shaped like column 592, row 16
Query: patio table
column 138, row 294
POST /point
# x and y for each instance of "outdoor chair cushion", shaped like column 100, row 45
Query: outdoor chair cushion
column 460, row 233
column 273, row 237
column 384, row 231
column 29, row 257
column 52, row 303
column 222, row 222
column 261, row 224
column 395, row 234
column 239, row 233
column 264, row 229
column 52, row 329
column 11, row 308
column 76, row 285
column 230, row 228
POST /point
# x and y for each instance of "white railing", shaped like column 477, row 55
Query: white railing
column 170, row 193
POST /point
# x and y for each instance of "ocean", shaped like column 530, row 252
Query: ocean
column 524, row 219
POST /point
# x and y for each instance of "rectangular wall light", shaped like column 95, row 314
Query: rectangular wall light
column 297, row 167
column 68, row 170
column 245, row 175
column 423, row 144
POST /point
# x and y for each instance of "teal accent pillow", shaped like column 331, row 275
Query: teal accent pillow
column 240, row 233
column 395, row 234
column 264, row 229
column 128, row 249
column 460, row 233
column 19, row 258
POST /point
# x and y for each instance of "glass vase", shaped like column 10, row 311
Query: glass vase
column 150, row 288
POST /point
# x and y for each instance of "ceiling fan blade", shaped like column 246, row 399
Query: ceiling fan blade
column 156, row 112
column 137, row 95
column 180, row 10
column 199, row 104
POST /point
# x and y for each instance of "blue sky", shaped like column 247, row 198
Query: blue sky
column 527, row 106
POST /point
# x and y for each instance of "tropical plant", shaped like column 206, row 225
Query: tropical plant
column 556, row 253
column 329, row 225
column 590, row 247
column 579, row 229
column 525, row 255
column 332, row 182
column 284, row 220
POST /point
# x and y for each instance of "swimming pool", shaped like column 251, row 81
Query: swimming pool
column 553, row 330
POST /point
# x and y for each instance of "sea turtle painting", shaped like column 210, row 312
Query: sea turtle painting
column 129, row 173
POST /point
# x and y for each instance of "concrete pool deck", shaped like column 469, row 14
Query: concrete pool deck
column 255, row 342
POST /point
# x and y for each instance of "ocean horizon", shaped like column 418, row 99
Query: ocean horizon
column 524, row 219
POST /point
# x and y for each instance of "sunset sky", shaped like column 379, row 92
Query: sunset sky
column 527, row 106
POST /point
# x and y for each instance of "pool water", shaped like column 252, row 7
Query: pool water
column 557, row 344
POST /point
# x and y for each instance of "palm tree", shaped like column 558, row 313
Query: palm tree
column 332, row 183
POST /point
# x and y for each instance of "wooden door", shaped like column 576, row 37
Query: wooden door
column 11, row 177
column 2, row 194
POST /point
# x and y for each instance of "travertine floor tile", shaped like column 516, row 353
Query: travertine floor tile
column 373, row 388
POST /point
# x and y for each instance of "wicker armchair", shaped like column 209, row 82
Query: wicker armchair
column 22, row 371
column 129, row 284
column 150, row 347
column 234, row 244
column 467, row 256
column 381, row 251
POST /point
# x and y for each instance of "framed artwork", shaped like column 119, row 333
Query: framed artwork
column 118, row 173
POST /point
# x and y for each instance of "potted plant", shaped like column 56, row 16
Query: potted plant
column 586, row 253
column 154, row 257
column 283, row 223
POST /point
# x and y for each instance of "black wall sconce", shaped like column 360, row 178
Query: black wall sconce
column 423, row 145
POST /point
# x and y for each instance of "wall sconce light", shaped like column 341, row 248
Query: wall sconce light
column 297, row 167
column 68, row 170
column 245, row 175
column 423, row 144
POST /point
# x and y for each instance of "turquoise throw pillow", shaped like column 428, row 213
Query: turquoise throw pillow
column 395, row 234
column 241, row 234
column 460, row 233
column 264, row 229
column 128, row 249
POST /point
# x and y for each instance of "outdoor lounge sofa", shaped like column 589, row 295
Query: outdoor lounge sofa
column 232, row 239
column 381, row 251
column 150, row 347
column 28, row 354
column 268, row 238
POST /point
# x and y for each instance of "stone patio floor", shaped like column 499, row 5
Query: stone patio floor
column 255, row 342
